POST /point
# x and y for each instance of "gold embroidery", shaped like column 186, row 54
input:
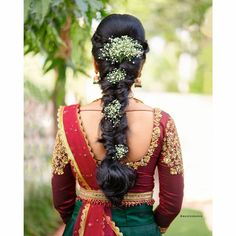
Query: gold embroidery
column 171, row 149
column 85, row 135
column 162, row 230
column 73, row 163
column 153, row 145
column 154, row 142
column 83, row 219
column 59, row 157
column 130, row 199
column 112, row 224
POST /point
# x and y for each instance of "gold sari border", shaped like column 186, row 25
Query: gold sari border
column 112, row 224
column 83, row 219
column 70, row 154
column 156, row 133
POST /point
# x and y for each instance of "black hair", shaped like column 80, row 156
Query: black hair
column 114, row 177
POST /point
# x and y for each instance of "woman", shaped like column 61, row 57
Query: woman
column 112, row 146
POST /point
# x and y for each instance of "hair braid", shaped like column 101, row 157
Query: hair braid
column 114, row 177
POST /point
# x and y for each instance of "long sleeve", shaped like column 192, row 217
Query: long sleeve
column 63, row 181
column 170, row 170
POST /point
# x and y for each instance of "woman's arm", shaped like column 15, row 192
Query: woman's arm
column 170, row 170
column 63, row 181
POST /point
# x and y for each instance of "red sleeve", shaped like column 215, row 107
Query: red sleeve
column 63, row 181
column 170, row 171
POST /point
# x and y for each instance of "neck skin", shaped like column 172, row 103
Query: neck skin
column 131, row 94
column 130, row 97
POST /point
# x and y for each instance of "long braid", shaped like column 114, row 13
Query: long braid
column 117, row 75
column 113, row 177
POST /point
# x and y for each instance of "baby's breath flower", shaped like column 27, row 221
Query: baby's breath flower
column 112, row 112
column 121, row 48
column 116, row 75
column 121, row 151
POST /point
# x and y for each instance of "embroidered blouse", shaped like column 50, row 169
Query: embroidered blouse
column 70, row 168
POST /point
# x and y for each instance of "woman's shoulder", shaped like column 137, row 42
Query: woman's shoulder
column 94, row 105
column 162, row 115
column 167, row 120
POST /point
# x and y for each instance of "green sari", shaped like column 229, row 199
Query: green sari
column 132, row 221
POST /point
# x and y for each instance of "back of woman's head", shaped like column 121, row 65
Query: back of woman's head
column 119, row 49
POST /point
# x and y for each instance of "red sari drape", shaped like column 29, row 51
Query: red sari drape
column 94, row 218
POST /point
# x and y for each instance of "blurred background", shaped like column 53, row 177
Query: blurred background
column 177, row 77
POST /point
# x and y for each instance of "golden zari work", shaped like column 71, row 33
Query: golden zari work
column 112, row 224
column 154, row 142
column 171, row 151
column 75, row 167
column 83, row 219
column 59, row 157
column 130, row 198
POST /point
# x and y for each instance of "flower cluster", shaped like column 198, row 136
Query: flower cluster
column 121, row 151
column 112, row 112
column 121, row 48
column 116, row 50
column 116, row 75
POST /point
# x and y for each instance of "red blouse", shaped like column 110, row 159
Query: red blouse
column 164, row 153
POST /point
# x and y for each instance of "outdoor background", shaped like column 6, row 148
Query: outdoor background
column 177, row 78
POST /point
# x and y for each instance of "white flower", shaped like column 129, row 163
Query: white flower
column 112, row 112
column 116, row 75
column 121, row 48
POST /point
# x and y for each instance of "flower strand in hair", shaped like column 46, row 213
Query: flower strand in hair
column 121, row 48
column 116, row 75
column 121, row 151
column 112, row 112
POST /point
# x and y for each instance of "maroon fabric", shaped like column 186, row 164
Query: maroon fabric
column 171, row 189
column 64, row 193
column 171, row 186
column 171, row 196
